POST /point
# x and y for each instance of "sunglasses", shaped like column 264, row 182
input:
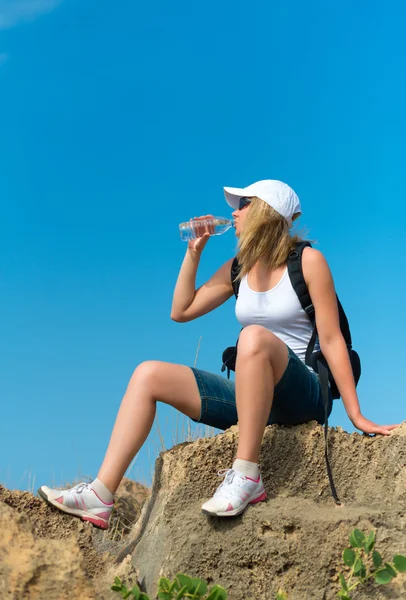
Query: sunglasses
column 243, row 203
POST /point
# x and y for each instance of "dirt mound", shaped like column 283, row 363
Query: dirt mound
column 32, row 568
column 47, row 523
column 47, row 554
column 295, row 539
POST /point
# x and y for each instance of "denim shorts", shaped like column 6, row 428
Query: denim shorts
column 297, row 397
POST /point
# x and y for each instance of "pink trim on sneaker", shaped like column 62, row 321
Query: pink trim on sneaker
column 104, row 515
column 60, row 499
column 255, row 480
column 105, row 503
column 99, row 522
column 259, row 499
column 230, row 507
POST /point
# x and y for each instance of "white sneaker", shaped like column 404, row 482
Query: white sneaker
column 234, row 494
column 80, row 501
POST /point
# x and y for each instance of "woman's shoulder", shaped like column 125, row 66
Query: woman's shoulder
column 312, row 256
column 313, row 263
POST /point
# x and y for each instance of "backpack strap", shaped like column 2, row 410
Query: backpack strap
column 230, row 353
column 300, row 287
column 298, row 280
column 235, row 269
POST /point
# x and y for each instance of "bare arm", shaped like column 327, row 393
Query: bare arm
column 189, row 303
column 332, row 344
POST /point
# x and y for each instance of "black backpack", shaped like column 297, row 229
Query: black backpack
column 314, row 359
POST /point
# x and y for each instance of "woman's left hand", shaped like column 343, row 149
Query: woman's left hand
column 367, row 426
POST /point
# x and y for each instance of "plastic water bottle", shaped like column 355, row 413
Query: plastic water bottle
column 190, row 230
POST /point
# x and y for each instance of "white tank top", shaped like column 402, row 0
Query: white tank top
column 279, row 310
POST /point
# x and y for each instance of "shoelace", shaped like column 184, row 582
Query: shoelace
column 229, row 475
column 80, row 487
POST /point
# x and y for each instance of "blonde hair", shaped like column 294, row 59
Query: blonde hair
column 265, row 238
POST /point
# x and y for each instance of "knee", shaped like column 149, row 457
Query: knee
column 254, row 340
column 146, row 373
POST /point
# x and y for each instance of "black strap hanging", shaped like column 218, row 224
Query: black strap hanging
column 323, row 375
column 235, row 269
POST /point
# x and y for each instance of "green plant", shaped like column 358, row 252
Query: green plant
column 124, row 592
column 362, row 549
column 181, row 587
column 188, row 587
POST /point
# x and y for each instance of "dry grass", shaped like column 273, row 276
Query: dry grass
column 125, row 514
column 30, row 481
column 185, row 434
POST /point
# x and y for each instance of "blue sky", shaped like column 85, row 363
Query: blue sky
column 117, row 123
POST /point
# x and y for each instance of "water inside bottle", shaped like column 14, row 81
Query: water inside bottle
column 196, row 228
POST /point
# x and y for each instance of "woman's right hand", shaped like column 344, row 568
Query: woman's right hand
column 203, row 233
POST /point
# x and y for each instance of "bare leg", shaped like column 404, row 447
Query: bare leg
column 151, row 381
column 261, row 361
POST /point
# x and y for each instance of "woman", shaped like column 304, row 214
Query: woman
column 272, row 383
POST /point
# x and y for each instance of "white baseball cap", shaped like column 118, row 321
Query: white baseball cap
column 277, row 194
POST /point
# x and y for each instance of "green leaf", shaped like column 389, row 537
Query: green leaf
column 357, row 538
column 349, row 557
column 391, row 570
column 184, row 580
column 217, row 593
column 343, row 595
column 376, row 559
column 358, row 565
column 165, row 595
column 117, row 580
column 281, row 595
column 198, row 587
column 143, row 596
column 383, row 576
column 116, row 588
column 343, row 582
column 400, row 563
column 369, row 542
column 135, row 592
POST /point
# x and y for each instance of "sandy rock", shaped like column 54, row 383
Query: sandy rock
column 45, row 553
column 33, row 568
column 295, row 539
